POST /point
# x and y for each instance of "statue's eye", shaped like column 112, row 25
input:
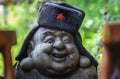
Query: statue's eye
column 50, row 40
column 67, row 40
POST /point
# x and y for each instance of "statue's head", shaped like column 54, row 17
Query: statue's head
column 54, row 51
column 54, row 46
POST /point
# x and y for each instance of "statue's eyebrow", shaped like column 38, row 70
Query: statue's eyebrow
column 48, row 33
column 67, row 34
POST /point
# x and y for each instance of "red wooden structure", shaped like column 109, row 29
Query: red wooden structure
column 7, row 39
column 110, row 66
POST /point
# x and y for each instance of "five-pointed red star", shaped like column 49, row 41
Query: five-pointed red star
column 60, row 16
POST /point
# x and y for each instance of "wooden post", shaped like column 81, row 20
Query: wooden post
column 110, row 66
column 7, row 39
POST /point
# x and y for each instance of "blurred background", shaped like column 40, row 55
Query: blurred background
column 22, row 15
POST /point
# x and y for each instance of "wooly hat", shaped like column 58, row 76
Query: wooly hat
column 59, row 16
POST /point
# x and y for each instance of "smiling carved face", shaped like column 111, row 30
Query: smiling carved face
column 54, row 52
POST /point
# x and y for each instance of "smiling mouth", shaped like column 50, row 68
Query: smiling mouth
column 58, row 57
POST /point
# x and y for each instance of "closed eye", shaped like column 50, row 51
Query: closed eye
column 67, row 39
column 49, row 39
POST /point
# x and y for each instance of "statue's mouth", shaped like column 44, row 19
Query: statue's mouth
column 59, row 56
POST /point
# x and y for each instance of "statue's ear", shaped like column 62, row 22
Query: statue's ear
column 30, row 47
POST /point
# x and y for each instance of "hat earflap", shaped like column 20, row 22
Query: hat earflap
column 83, row 51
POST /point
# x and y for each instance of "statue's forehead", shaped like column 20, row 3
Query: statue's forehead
column 43, row 30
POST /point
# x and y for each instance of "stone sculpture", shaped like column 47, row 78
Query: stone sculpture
column 53, row 48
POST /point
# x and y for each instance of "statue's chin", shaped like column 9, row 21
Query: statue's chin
column 59, row 72
column 60, row 68
column 52, row 72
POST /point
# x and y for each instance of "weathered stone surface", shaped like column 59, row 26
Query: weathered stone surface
column 52, row 54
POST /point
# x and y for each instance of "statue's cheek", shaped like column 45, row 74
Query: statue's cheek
column 73, row 55
column 72, row 49
column 85, row 62
column 69, row 48
column 40, row 59
column 42, row 48
column 40, row 54
column 26, row 64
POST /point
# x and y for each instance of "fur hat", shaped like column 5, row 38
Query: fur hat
column 61, row 16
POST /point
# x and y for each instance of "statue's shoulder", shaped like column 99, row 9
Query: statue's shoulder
column 88, row 73
column 20, row 74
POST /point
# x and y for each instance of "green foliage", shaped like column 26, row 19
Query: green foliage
column 23, row 15
column 19, row 17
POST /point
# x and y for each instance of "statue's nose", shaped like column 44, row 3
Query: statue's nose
column 58, row 44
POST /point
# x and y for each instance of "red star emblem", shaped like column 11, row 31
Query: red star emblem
column 60, row 16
